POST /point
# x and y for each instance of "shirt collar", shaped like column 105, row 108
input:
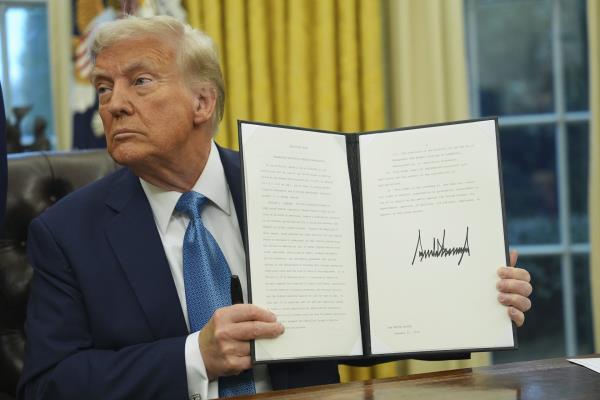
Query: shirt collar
column 211, row 183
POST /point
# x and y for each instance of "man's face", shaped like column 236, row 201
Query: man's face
column 146, row 109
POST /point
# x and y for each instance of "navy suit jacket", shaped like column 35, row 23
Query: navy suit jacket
column 104, row 320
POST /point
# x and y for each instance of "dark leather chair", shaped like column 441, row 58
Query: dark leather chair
column 35, row 182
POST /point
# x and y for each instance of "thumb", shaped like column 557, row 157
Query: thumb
column 513, row 258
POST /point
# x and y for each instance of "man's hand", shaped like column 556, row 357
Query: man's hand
column 515, row 289
column 225, row 339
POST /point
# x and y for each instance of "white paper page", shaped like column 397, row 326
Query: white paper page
column 422, row 188
column 591, row 363
column 301, row 241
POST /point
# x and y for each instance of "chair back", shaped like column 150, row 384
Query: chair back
column 35, row 182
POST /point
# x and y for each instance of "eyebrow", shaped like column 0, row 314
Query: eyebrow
column 97, row 73
column 100, row 73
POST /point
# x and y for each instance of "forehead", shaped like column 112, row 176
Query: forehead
column 125, row 55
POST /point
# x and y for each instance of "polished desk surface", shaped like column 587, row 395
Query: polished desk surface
column 534, row 380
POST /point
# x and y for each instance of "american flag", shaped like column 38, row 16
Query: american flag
column 88, row 16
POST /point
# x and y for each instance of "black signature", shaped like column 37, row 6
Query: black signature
column 439, row 249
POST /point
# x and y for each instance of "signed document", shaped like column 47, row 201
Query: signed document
column 434, row 238
column 375, row 244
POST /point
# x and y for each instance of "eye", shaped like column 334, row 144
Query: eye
column 102, row 89
column 142, row 81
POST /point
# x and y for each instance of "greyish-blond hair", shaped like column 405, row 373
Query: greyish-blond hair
column 196, row 53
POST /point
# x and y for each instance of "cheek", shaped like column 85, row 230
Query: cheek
column 176, row 124
column 106, row 118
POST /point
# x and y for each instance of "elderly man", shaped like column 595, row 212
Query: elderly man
column 130, row 297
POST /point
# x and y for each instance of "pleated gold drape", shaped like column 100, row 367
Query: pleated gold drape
column 594, row 176
column 312, row 63
column 60, row 30
column 428, row 83
column 427, row 61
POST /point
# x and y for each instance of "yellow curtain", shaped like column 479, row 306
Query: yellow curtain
column 312, row 63
column 427, row 56
column 427, row 83
column 60, row 30
column 594, row 179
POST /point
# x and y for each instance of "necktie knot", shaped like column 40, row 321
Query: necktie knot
column 191, row 204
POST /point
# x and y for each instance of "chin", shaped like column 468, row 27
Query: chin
column 128, row 156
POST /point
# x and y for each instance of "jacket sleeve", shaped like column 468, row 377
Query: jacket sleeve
column 61, row 361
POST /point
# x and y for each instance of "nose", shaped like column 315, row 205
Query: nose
column 119, row 104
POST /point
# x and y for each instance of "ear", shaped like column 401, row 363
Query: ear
column 205, row 103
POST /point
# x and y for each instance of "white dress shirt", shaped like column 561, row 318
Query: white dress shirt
column 219, row 217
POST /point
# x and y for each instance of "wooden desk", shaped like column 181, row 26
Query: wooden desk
column 535, row 380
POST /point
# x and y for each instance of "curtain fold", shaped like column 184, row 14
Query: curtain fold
column 427, row 78
column 61, row 70
column 427, row 55
column 312, row 63
column 593, row 13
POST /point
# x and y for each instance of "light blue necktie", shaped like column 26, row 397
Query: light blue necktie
column 207, row 281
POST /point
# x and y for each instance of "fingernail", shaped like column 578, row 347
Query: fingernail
column 513, row 311
column 501, row 298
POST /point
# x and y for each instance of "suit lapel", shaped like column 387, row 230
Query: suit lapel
column 134, row 238
column 231, row 165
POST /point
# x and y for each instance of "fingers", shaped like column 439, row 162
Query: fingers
column 515, row 289
column 515, row 286
column 517, row 316
column 250, row 330
column 519, row 302
column 235, row 365
column 224, row 340
column 514, row 273
column 222, row 356
column 232, row 348
column 245, row 322
column 245, row 312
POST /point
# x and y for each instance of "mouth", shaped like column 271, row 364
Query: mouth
column 123, row 134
